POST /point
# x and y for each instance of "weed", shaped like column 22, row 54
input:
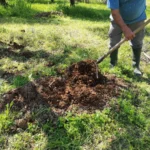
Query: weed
column 6, row 119
column 19, row 81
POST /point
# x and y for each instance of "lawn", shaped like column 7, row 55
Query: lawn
column 34, row 47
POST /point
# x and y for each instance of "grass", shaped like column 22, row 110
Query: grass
column 80, row 34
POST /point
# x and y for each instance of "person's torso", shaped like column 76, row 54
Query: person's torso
column 132, row 10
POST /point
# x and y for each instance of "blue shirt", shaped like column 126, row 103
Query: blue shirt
column 132, row 11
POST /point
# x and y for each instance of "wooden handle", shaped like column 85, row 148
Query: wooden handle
column 121, row 42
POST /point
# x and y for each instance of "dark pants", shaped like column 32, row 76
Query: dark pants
column 115, row 35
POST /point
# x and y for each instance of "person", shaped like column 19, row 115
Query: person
column 125, row 17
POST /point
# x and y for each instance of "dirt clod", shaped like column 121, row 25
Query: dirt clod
column 21, row 123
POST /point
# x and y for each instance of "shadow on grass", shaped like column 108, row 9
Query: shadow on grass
column 23, row 14
column 46, row 1
column 133, row 132
column 77, row 12
column 53, row 61
column 130, row 74
column 83, row 13
column 31, row 20
column 26, row 14
column 14, row 76
column 23, row 55
column 133, row 138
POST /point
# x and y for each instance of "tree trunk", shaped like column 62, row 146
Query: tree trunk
column 72, row 2
column 87, row 1
column 3, row 2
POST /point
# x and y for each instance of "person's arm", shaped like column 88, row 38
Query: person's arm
column 129, row 35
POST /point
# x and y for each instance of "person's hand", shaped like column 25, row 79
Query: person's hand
column 129, row 35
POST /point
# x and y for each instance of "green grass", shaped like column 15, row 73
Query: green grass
column 81, row 33
column 6, row 120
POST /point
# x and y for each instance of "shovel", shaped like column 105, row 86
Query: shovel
column 121, row 42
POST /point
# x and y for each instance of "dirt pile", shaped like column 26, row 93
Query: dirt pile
column 79, row 87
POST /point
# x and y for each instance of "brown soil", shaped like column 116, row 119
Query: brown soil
column 77, row 90
column 79, row 87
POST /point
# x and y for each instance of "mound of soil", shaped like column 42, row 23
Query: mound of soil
column 79, row 87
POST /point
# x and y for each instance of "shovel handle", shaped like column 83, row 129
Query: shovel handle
column 122, row 41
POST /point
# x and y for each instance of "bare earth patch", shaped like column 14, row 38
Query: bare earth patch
column 78, row 88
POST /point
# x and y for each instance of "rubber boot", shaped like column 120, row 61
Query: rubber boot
column 113, row 58
column 136, row 60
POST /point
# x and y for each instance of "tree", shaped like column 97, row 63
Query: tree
column 3, row 2
column 72, row 2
